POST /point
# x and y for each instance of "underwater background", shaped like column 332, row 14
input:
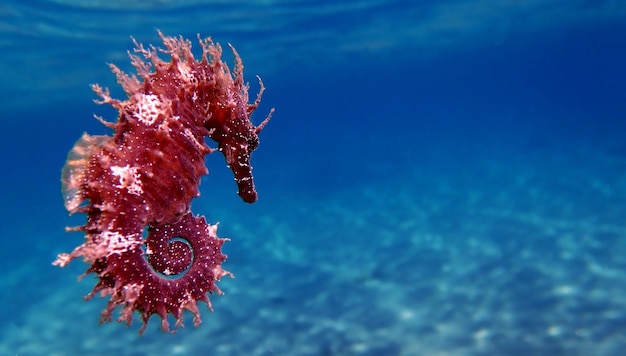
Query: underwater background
column 439, row 177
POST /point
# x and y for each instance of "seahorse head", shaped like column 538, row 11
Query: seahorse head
column 237, row 138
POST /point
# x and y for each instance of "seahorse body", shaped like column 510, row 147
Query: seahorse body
column 136, row 186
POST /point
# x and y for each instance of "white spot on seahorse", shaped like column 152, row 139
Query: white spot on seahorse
column 129, row 177
column 110, row 243
column 148, row 108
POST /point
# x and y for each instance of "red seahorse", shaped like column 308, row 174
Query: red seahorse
column 150, row 254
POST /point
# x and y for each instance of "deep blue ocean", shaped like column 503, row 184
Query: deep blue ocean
column 439, row 177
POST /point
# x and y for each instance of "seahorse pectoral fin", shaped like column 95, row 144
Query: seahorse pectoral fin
column 72, row 174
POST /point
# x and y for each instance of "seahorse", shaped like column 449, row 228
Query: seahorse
column 151, row 255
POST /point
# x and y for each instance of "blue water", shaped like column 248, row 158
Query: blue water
column 445, row 178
